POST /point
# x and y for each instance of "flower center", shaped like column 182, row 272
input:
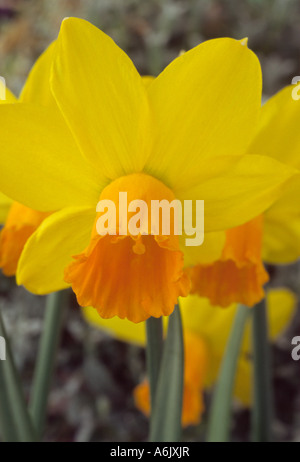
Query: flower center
column 132, row 267
column 138, row 205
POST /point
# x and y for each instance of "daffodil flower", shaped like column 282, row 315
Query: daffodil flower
column 278, row 137
column 101, row 131
column 206, row 331
column 274, row 237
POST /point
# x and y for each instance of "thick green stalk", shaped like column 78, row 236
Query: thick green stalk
column 220, row 413
column 16, row 424
column 166, row 412
column 46, row 359
column 263, row 394
column 154, row 331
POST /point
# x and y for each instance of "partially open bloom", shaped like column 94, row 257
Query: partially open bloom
column 103, row 131
column 206, row 330
column 239, row 274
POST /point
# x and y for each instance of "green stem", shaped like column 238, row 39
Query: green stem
column 154, row 330
column 166, row 412
column 46, row 359
column 220, row 413
column 16, row 425
column 8, row 428
column 263, row 396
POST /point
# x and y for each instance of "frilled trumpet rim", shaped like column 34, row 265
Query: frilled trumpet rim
column 239, row 275
column 130, row 276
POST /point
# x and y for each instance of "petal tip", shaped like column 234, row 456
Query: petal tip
column 244, row 42
column 65, row 20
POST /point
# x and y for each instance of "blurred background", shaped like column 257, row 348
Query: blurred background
column 91, row 397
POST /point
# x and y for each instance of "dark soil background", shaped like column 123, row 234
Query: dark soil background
column 91, row 397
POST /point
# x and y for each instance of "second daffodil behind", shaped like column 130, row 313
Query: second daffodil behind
column 184, row 135
column 238, row 275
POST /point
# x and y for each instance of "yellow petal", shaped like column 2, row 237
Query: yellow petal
column 147, row 80
column 244, row 380
column 205, row 103
column 215, row 323
column 120, row 328
column 207, row 321
column 281, row 237
column 278, row 130
column 278, row 137
column 9, row 97
column 281, row 305
column 5, row 204
column 40, row 164
column 6, row 96
column 236, row 189
column 281, row 242
column 212, row 324
column 37, row 86
column 51, row 247
column 209, row 251
column 102, row 97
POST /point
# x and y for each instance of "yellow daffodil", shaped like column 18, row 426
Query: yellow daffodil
column 206, row 330
column 239, row 274
column 102, row 131
column 20, row 221
column 278, row 137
